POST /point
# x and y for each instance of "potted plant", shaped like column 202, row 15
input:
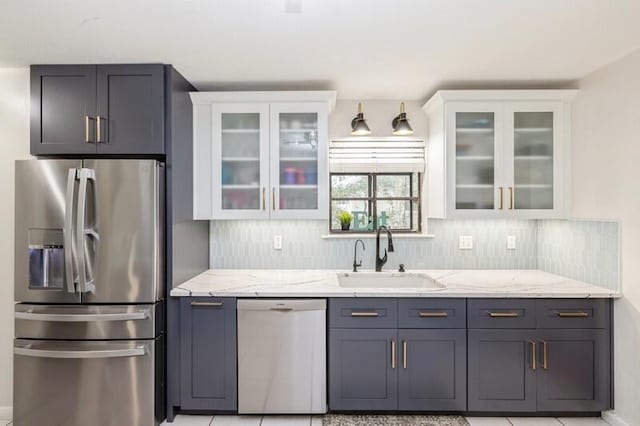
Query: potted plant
column 345, row 219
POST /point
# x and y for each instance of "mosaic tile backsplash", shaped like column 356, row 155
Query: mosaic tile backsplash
column 585, row 250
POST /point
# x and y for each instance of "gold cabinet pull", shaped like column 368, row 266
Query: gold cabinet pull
column 533, row 355
column 98, row 119
column 87, row 129
column 501, row 189
column 504, row 314
column 364, row 314
column 433, row 314
column 572, row 314
column 264, row 198
column 273, row 198
column 404, row 354
column 544, row 354
column 511, row 198
column 393, row 354
column 208, row 304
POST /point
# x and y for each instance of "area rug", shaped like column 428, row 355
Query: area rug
column 382, row 420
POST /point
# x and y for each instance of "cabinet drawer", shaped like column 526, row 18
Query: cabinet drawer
column 432, row 313
column 363, row 313
column 572, row 313
column 501, row 313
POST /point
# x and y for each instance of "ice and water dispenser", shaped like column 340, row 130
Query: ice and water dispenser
column 46, row 259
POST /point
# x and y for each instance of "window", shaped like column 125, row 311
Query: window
column 374, row 199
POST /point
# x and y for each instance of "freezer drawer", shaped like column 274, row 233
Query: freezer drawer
column 77, row 383
column 282, row 356
column 90, row 322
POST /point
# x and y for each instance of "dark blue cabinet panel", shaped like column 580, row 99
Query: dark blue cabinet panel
column 432, row 313
column 501, row 313
column 63, row 97
column 98, row 109
column 374, row 312
column 208, row 354
column 501, row 373
column 574, row 370
column 363, row 369
column 573, row 313
column 432, row 370
column 131, row 109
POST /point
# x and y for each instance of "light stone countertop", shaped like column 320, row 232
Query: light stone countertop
column 324, row 283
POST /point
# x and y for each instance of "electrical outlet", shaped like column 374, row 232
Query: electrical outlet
column 277, row 242
column 511, row 242
column 466, row 242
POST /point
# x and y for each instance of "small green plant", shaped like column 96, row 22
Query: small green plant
column 345, row 217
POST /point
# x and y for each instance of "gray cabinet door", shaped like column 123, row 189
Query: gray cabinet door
column 208, row 354
column 363, row 369
column 63, row 101
column 432, row 373
column 501, row 374
column 574, row 370
column 130, row 109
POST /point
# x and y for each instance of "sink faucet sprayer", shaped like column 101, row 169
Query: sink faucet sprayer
column 381, row 261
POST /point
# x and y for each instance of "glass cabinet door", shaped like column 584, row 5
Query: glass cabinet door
column 533, row 135
column 476, row 155
column 298, row 161
column 241, row 155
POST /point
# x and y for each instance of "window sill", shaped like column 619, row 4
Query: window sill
column 352, row 235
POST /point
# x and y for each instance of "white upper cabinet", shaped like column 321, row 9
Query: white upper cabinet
column 261, row 155
column 502, row 154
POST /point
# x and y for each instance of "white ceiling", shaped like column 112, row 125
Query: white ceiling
column 368, row 49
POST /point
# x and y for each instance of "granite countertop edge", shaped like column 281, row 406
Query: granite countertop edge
column 276, row 283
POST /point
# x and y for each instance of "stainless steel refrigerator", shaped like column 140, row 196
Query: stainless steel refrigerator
column 89, row 282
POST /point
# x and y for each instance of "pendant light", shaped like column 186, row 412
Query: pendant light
column 359, row 125
column 400, row 124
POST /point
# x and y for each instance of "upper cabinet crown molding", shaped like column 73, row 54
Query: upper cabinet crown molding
column 441, row 96
column 328, row 96
column 499, row 153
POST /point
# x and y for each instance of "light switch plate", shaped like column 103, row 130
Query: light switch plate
column 466, row 242
column 511, row 242
column 277, row 242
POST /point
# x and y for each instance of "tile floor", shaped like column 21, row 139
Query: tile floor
column 184, row 420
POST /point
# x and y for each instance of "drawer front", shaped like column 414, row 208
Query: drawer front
column 501, row 313
column 573, row 313
column 432, row 313
column 363, row 313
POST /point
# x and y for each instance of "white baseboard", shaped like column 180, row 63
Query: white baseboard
column 613, row 419
column 6, row 413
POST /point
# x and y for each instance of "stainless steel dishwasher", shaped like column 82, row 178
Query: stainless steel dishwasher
column 282, row 356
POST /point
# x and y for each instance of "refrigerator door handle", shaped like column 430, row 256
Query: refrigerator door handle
column 124, row 316
column 69, row 243
column 64, row 354
column 84, row 263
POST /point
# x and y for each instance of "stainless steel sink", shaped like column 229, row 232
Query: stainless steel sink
column 386, row 280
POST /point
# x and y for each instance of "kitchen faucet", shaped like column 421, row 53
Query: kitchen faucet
column 381, row 261
column 357, row 264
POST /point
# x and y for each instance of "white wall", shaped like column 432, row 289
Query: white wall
column 606, row 181
column 378, row 114
column 14, row 144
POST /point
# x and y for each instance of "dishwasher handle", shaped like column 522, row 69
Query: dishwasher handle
column 282, row 305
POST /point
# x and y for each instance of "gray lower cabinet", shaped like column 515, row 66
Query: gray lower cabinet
column 501, row 374
column 432, row 370
column 545, row 355
column 363, row 369
column 208, row 363
column 573, row 371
